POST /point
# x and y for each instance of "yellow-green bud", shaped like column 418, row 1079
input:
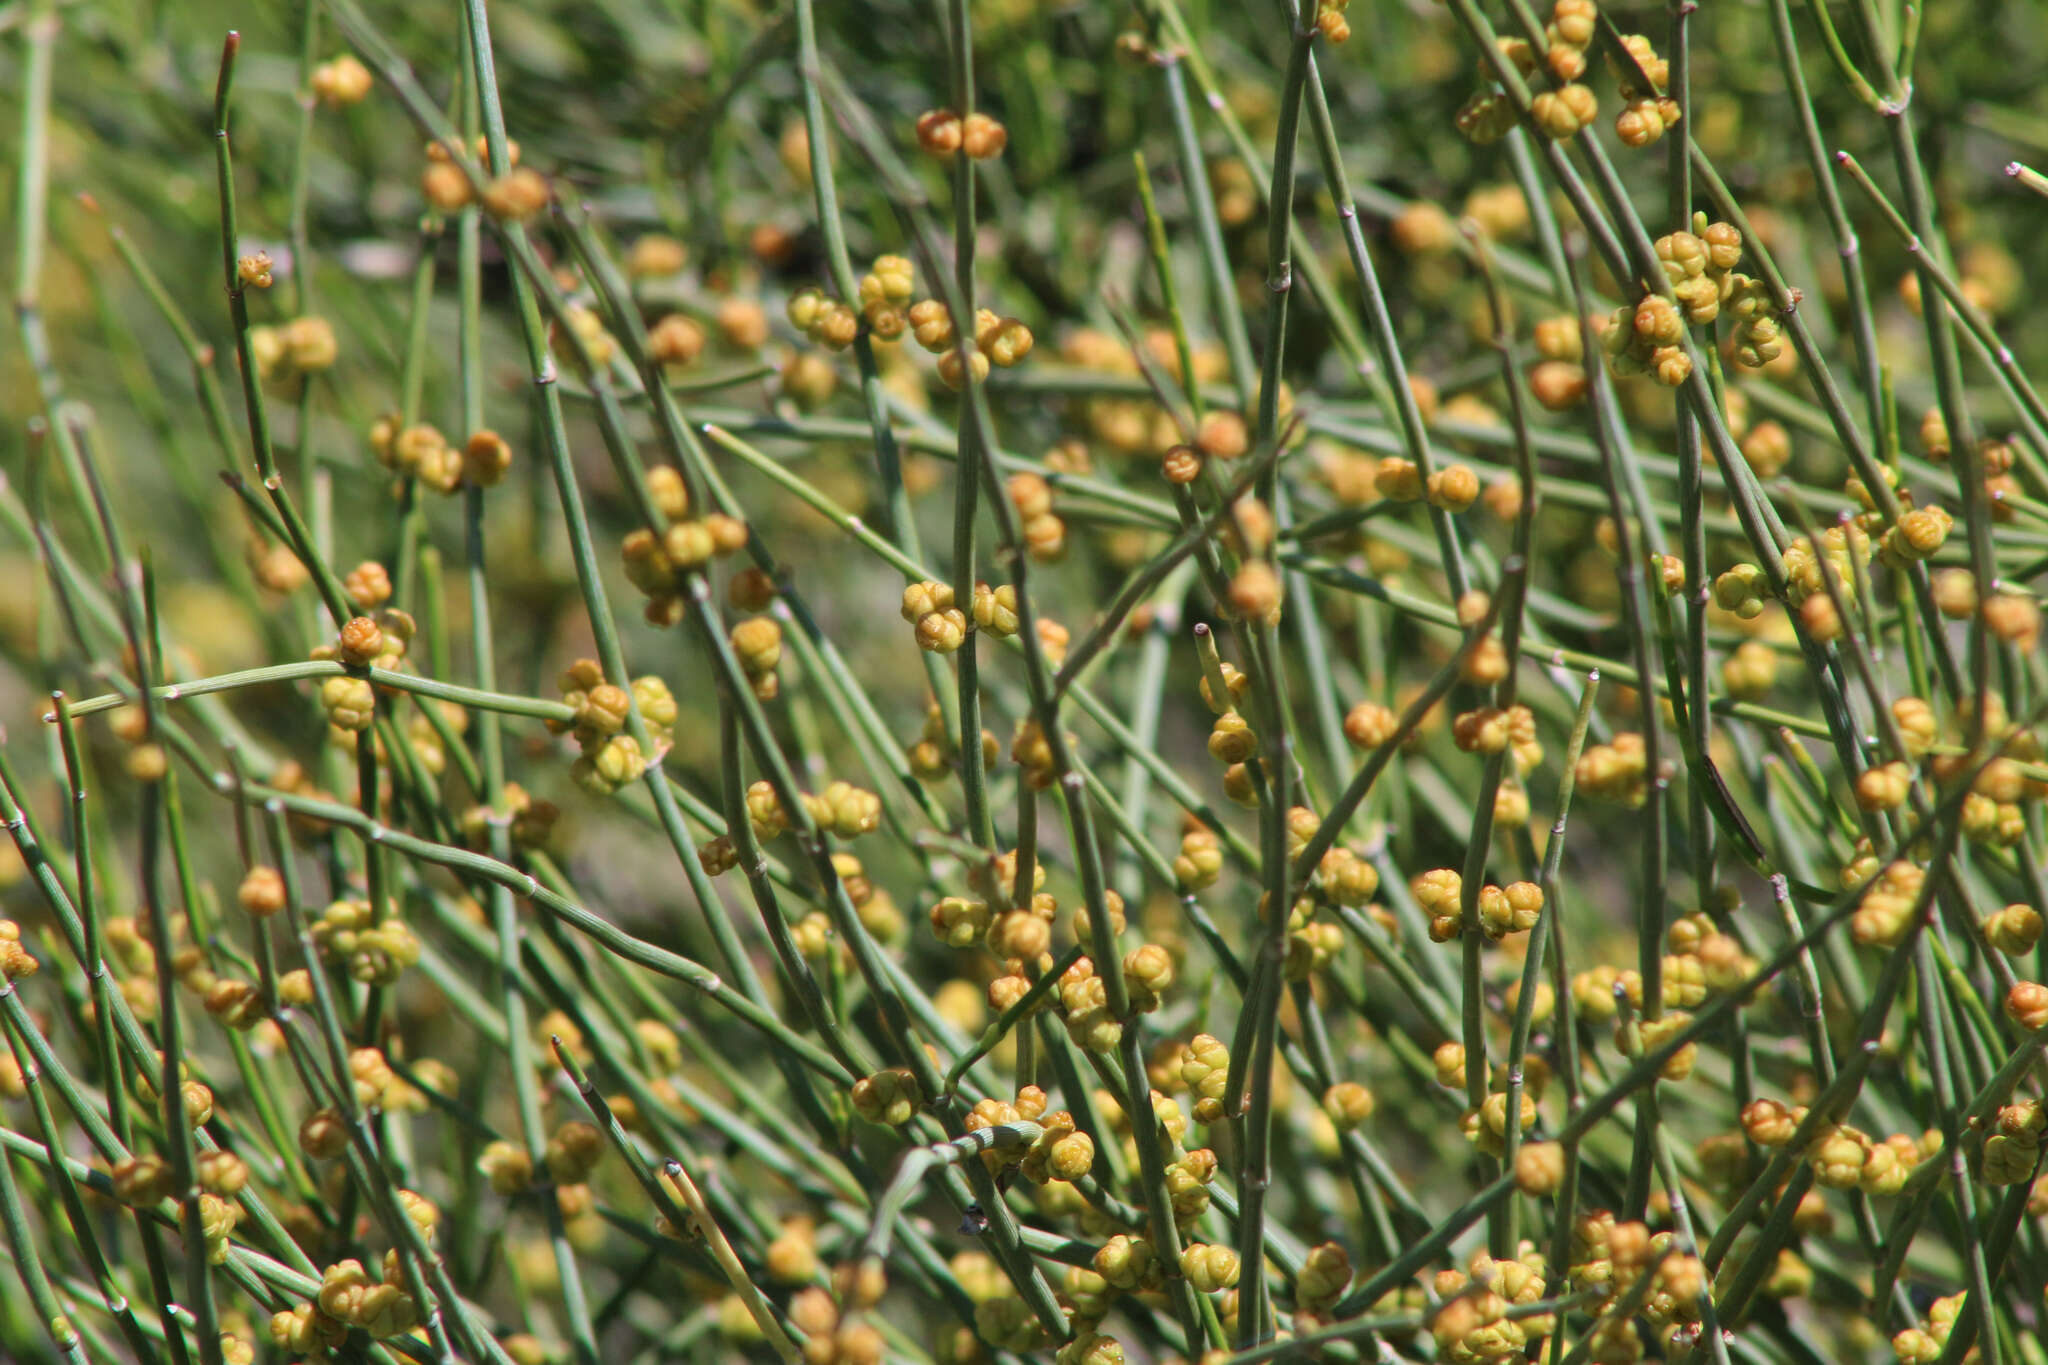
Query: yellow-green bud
column 960, row 921
column 1325, row 1273
column 1072, row 1157
column 890, row 1097
column 1209, row 1268
column 1348, row 1104
column 350, row 703
column 2014, row 930
column 1125, row 1261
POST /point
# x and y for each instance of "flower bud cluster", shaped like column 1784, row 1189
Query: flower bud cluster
column 15, row 960
column 942, row 133
column 294, row 351
column 1647, row 113
column 1200, row 860
column 611, row 758
column 933, row 754
column 421, row 453
column 1324, row 1276
column 658, row 562
column 2012, row 1150
column 1925, row 1344
column 1486, row 1127
column 834, row 1333
column 352, row 939
column 1044, row 532
column 1884, row 915
column 1473, row 1327
column 1699, row 267
column 1347, row 878
column 350, row 1298
column 1062, row 1152
column 1559, row 114
column 1330, row 20
column 884, row 294
column 890, row 1097
column 1312, row 944
column 941, row 626
column 341, row 82
column 1846, row 549
column 1617, row 771
column 1084, row 1000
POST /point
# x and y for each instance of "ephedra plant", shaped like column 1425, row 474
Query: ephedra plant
column 962, row 682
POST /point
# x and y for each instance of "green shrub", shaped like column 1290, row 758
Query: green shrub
column 596, row 775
